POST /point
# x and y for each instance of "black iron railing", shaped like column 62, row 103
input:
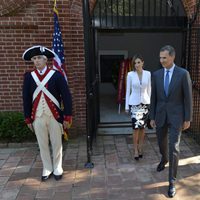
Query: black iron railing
column 91, row 82
column 193, row 66
column 136, row 14
column 194, row 69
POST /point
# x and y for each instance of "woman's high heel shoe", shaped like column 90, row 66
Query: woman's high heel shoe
column 136, row 156
column 140, row 151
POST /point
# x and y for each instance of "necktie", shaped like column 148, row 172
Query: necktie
column 166, row 85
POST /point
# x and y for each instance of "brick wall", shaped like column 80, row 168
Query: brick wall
column 31, row 23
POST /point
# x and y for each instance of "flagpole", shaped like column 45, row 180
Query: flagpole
column 55, row 7
column 58, row 61
column 54, row 3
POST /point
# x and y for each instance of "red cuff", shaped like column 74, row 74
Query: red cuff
column 28, row 120
column 68, row 118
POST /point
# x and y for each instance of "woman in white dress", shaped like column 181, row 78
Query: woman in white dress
column 138, row 92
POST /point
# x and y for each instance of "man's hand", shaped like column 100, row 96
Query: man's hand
column 67, row 123
column 186, row 125
column 153, row 123
column 30, row 126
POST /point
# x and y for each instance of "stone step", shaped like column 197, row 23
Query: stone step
column 114, row 125
column 120, row 131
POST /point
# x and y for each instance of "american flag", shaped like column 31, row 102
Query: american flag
column 58, row 48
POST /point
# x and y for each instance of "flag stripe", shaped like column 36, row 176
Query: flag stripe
column 58, row 47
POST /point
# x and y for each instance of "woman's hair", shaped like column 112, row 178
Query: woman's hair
column 136, row 56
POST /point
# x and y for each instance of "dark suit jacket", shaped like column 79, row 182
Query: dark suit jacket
column 57, row 86
column 177, row 106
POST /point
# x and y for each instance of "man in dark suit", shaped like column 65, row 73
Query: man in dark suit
column 170, row 110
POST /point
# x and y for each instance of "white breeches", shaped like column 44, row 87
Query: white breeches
column 46, row 127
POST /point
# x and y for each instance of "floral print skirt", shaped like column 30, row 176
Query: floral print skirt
column 139, row 115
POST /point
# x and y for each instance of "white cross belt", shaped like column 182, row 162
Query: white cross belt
column 41, row 87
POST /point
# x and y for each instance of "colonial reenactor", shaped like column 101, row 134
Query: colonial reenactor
column 43, row 91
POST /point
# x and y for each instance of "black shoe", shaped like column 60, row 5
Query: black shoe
column 44, row 178
column 136, row 158
column 140, row 156
column 57, row 177
column 161, row 166
column 171, row 191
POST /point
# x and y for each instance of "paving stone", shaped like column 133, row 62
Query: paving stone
column 45, row 194
column 22, row 169
column 4, row 156
column 115, row 193
column 28, row 190
column 8, row 165
column 3, row 180
column 114, row 180
column 115, row 176
column 98, row 182
column 98, row 193
column 25, row 197
column 1, row 188
column 62, row 196
column 14, row 184
column 81, row 192
column 133, row 193
column 2, row 162
column 32, row 181
column 31, row 153
column 79, row 182
column 35, row 172
column 6, row 171
column 26, row 161
column 10, row 194
column 14, row 159
column 63, row 187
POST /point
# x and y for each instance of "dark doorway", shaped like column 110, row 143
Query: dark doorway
column 109, row 68
column 110, row 117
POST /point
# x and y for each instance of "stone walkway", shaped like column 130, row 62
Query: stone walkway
column 115, row 176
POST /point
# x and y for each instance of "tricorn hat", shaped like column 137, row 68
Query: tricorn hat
column 37, row 50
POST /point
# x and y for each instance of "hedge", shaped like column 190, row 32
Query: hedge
column 13, row 128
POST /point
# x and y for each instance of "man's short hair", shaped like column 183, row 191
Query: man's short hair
column 170, row 49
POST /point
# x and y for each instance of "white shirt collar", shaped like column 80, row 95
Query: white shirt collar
column 171, row 69
column 41, row 72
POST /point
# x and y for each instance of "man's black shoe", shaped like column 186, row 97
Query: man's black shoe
column 140, row 155
column 57, row 177
column 44, row 178
column 171, row 191
column 136, row 158
column 161, row 166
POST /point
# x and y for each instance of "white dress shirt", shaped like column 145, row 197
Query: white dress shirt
column 170, row 73
column 138, row 92
column 41, row 72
